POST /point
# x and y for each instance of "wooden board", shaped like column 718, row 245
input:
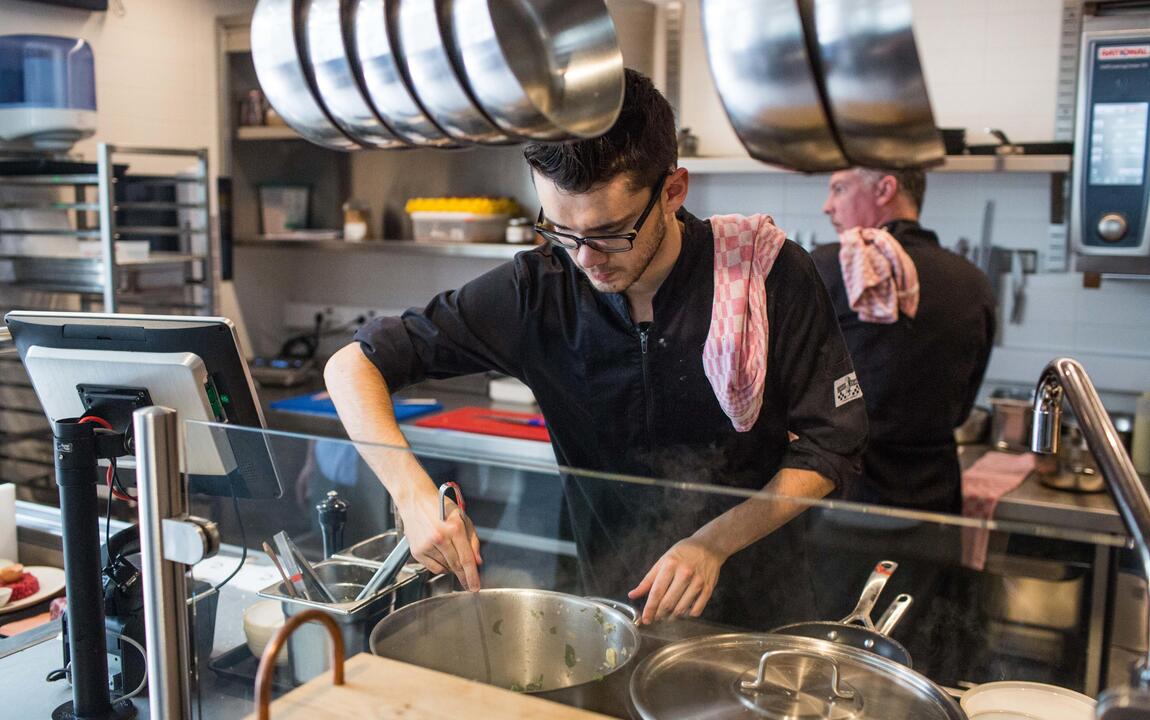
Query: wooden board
column 382, row 689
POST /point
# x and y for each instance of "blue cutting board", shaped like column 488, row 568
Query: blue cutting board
column 320, row 404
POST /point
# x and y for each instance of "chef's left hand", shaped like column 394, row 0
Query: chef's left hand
column 681, row 582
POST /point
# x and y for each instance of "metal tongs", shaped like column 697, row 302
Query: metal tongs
column 301, row 574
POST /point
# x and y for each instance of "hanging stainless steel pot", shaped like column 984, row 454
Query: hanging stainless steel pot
column 557, row 646
column 279, row 55
column 741, row 676
column 332, row 63
column 385, row 78
column 425, row 44
column 874, row 85
column 540, row 69
column 764, row 71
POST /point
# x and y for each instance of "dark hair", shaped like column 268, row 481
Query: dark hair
column 911, row 183
column 641, row 143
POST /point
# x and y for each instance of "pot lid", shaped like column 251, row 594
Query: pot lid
column 780, row 677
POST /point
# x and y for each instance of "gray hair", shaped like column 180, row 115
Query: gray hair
column 911, row 183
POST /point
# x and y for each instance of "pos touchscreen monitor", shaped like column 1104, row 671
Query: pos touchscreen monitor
column 109, row 365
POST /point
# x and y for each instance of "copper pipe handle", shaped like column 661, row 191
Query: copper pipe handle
column 268, row 660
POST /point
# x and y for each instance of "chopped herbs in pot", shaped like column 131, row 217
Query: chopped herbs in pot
column 535, row 686
column 569, row 656
column 497, row 627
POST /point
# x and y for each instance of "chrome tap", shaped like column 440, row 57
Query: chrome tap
column 1066, row 377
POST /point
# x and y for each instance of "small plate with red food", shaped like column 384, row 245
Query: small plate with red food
column 28, row 585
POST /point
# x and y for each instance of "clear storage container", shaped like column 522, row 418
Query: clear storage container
column 463, row 227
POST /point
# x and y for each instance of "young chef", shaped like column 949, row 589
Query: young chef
column 638, row 370
column 920, row 356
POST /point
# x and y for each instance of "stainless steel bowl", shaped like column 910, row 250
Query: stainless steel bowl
column 332, row 62
column 875, row 90
column 541, row 69
column 767, row 81
column 424, row 45
column 279, row 55
column 384, row 75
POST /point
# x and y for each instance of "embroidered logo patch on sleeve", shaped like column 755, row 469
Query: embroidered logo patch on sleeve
column 847, row 388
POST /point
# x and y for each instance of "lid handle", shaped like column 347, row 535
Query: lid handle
column 760, row 683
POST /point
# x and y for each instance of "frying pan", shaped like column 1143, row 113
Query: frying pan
column 857, row 629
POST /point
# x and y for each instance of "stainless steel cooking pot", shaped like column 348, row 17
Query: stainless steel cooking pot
column 781, row 677
column 560, row 647
column 332, row 60
column 764, row 72
column 875, row 90
column 279, row 55
column 425, row 39
column 385, row 78
column 541, row 69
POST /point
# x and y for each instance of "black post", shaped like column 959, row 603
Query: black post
column 76, row 475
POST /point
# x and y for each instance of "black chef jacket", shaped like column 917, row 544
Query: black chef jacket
column 919, row 376
column 622, row 398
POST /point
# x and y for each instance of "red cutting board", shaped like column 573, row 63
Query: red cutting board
column 487, row 422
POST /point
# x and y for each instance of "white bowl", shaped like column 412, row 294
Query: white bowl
column 1017, row 700
column 261, row 621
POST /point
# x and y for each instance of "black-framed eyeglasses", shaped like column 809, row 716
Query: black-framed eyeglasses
column 613, row 243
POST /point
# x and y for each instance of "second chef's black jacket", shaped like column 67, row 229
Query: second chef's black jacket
column 919, row 376
column 633, row 399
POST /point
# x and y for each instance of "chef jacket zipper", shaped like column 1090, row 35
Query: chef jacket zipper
column 644, row 331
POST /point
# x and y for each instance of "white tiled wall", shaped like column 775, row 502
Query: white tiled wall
column 155, row 68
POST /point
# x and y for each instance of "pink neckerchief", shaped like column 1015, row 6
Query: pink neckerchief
column 735, row 353
column 880, row 277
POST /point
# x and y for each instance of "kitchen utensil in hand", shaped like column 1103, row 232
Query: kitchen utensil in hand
column 388, row 570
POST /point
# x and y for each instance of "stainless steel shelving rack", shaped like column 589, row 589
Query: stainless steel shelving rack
column 176, row 282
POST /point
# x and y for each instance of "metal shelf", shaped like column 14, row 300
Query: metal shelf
column 740, row 165
column 267, row 132
column 494, row 251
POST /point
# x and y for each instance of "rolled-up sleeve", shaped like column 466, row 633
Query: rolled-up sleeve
column 825, row 408
column 470, row 330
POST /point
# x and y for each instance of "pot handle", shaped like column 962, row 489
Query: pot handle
column 893, row 614
column 873, row 588
column 268, row 659
column 631, row 612
column 443, row 498
column 760, row 683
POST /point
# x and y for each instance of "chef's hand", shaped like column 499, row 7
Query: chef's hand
column 442, row 546
column 681, row 582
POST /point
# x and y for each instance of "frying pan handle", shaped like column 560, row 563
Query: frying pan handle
column 760, row 683
column 873, row 588
column 268, row 659
column 893, row 614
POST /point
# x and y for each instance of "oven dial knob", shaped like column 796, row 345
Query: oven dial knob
column 1112, row 227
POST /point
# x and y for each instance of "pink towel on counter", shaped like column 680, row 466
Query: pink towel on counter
column 735, row 353
column 983, row 484
column 880, row 277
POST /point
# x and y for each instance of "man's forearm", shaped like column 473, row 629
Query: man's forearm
column 363, row 401
column 757, row 517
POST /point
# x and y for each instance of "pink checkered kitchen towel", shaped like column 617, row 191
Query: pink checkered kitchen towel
column 880, row 277
column 735, row 353
column 983, row 484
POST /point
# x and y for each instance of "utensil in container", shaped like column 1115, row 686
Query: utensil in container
column 540, row 69
column 309, row 585
column 289, row 584
column 388, row 570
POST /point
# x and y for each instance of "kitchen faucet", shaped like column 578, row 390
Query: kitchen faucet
column 1066, row 376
